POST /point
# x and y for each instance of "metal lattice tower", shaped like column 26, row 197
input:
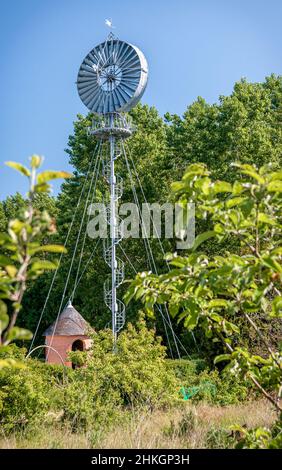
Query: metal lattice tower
column 111, row 80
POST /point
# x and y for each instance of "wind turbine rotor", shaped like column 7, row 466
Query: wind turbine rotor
column 112, row 77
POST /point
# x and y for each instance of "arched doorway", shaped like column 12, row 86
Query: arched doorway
column 77, row 345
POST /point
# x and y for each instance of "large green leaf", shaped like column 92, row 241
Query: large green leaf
column 222, row 187
column 218, row 303
column 196, row 169
column 11, row 270
column 235, row 201
column 18, row 333
column 251, row 171
column 4, row 319
column 277, row 307
column 272, row 264
column 277, row 175
column 49, row 249
column 4, row 260
column 177, row 186
column 222, row 357
column 191, row 320
column 42, row 188
column 202, row 238
column 265, row 219
column 42, row 265
column 51, row 175
column 275, row 186
column 19, row 167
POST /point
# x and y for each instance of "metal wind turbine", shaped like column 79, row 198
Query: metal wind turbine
column 111, row 80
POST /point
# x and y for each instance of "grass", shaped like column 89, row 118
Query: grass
column 192, row 426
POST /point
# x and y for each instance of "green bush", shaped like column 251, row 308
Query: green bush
column 201, row 383
column 184, row 368
column 137, row 374
column 84, row 405
column 219, row 438
column 12, row 351
column 94, row 396
column 221, row 389
column 24, row 397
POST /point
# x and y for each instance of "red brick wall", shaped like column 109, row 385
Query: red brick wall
column 63, row 345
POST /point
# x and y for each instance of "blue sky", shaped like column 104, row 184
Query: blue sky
column 193, row 47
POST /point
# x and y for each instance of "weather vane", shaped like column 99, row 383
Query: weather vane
column 109, row 23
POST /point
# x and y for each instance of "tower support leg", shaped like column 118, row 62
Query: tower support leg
column 113, row 229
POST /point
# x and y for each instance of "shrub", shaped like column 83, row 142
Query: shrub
column 185, row 368
column 221, row 389
column 24, row 397
column 219, row 438
column 137, row 374
column 93, row 397
column 210, row 386
column 217, row 293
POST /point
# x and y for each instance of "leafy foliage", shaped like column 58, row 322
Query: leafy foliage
column 213, row 292
column 23, row 397
column 200, row 383
column 95, row 396
column 147, row 148
column 19, row 262
column 243, row 125
column 137, row 373
column 219, row 438
column 231, row 278
column 260, row 438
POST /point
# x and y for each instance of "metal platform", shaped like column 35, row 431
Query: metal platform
column 103, row 128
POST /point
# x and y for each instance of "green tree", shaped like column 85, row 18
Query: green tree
column 3, row 221
column 245, row 125
column 13, row 204
column 215, row 292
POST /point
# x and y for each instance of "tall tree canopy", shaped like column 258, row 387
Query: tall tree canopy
column 244, row 126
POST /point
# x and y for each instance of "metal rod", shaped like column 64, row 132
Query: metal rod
column 113, row 231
